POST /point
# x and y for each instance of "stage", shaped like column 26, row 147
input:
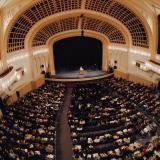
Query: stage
column 75, row 76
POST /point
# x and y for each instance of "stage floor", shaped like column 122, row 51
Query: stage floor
column 74, row 76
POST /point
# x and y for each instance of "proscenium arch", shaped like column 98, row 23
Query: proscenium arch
column 68, row 34
column 81, row 8
column 43, row 22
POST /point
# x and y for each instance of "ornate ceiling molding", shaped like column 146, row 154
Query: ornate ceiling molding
column 44, row 8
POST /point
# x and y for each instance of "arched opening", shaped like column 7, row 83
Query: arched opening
column 72, row 53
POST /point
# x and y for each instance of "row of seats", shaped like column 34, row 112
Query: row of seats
column 106, row 122
column 27, row 130
column 145, row 97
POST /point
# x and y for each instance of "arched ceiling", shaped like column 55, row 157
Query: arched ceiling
column 113, row 34
column 43, row 8
column 124, row 15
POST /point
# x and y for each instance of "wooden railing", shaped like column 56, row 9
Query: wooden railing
column 7, row 71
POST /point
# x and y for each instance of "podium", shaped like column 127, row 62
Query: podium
column 81, row 71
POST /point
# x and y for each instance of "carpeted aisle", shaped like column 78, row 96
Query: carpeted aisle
column 63, row 135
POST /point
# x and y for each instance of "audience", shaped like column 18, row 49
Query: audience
column 27, row 129
column 115, row 119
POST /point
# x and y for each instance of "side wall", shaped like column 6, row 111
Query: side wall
column 133, row 77
column 26, row 88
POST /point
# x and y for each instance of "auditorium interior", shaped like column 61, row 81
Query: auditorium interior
column 79, row 79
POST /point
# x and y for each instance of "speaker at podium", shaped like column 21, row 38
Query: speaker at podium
column 81, row 71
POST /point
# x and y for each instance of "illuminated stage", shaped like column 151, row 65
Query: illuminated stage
column 75, row 76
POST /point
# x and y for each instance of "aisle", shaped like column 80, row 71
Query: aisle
column 63, row 135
